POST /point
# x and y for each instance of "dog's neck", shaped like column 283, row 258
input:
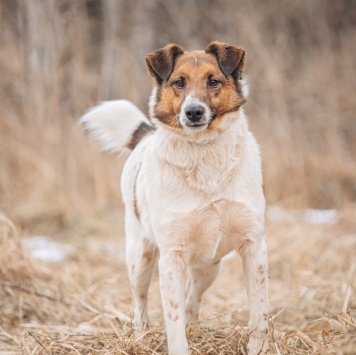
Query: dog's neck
column 205, row 165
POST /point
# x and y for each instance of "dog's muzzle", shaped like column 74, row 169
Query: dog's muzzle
column 195, row 114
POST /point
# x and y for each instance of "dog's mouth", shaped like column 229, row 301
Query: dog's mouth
column 196, row 126
column 200, row 125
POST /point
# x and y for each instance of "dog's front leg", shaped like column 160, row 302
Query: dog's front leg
column 172, row 284
column 254, row 254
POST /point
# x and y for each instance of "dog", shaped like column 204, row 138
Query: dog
column 192, row 186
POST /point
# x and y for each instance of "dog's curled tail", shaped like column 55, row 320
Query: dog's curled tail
column 117, row 125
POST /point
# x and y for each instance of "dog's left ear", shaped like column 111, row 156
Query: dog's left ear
column 160, row 63
column 230, row 58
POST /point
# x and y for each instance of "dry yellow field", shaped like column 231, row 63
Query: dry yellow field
column 81, row 304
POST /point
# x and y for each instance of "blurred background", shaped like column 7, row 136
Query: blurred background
column 62, row 266
column 60, row 57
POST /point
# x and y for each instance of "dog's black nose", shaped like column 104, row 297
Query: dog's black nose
column 194, row 112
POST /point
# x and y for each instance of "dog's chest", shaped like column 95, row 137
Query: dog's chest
column 211, row 172
column 207, row 234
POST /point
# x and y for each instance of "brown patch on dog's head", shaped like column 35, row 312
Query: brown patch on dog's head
column 160, row 63
column 209, row 80
column 231, row 59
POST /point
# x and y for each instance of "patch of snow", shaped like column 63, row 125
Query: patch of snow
column 276, row 213
column 44, row 248
column 314, row 216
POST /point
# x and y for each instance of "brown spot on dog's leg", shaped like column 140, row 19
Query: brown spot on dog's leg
column 261, row 269
column 176, row 318
column 169, row 315
column 173, row 305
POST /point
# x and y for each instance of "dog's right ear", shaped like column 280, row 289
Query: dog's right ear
column 160, row 63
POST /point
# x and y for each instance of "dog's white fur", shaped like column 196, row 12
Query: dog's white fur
column 106, row 123
column 191, row 198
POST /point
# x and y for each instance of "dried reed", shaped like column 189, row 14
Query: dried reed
column 83, row 305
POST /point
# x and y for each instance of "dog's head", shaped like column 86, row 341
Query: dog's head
column 196, row 91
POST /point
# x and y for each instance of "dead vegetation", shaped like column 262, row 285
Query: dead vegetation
column 59, row 57
column 83, row 304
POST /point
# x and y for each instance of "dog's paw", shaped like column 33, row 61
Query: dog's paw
column 258, row 345
column 140, row 324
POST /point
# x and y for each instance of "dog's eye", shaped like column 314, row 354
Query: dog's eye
column 213, row 83
column 179, row 84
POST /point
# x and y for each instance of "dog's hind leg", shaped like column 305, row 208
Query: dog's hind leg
column 140, row 259
column 200, row 281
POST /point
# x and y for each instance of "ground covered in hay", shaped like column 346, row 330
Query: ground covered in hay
column 68, row 292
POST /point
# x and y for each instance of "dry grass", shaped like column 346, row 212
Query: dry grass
column 59, row 57
column 83, row 305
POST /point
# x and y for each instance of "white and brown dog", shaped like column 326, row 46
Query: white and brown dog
column 192, row 185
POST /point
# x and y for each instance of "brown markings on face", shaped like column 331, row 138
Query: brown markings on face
column 192, row 74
